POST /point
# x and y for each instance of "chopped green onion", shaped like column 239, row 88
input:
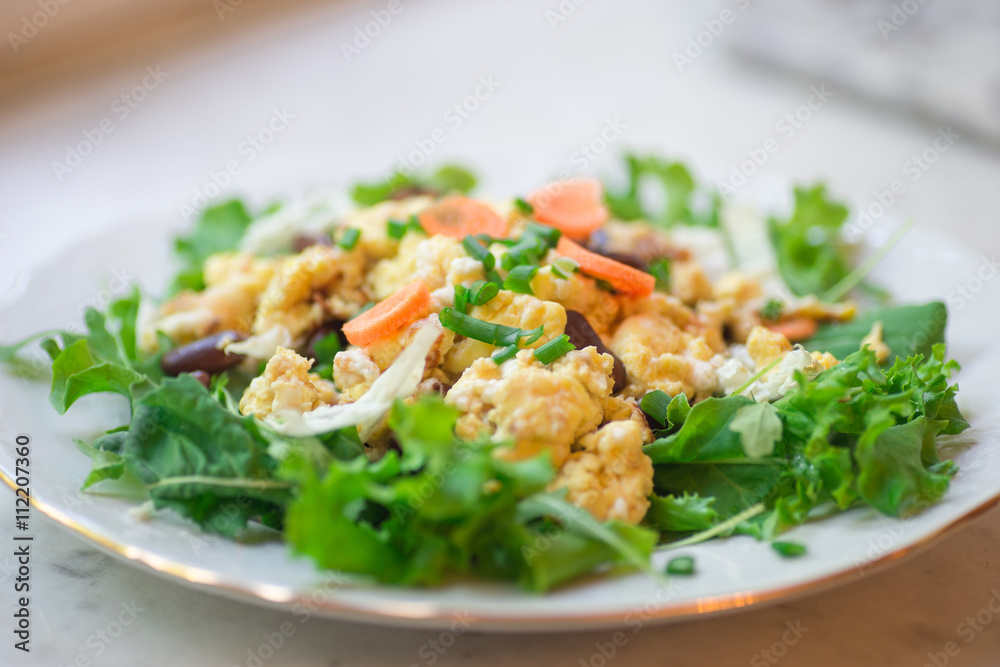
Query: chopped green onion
column 478, row 251
column 660, row 269
column 486, row 332
column 604, row 285
column 326, row 348
column 554, row 349
column 519, row 279
column 396, row 229
column 349, row 238
column 682, row 565
column 461, row 298
column 550, row 235
column 772, row 310
column 789, row 549
column 482, row 291
column 523, row 206
column 504, row 354
column 414, row 224
column 564, row 267
column 325, row 371
column 655, row 405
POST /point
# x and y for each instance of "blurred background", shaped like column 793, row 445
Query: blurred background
column 136, row 112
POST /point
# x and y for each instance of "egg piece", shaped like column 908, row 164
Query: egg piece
column 286, row 384
column 609, row 475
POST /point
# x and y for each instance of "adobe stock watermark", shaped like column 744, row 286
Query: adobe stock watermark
column 31, row 25
column 365, row 34
column 898, row 17
column 912, row 170
column 967, row 289
column 779, row 649
column 454, row 117
column 435, row 647
column 121, row 108
column 786, row 126
column 562, row 13
column 967, row 630
column 247, row 150
column 635, row 620
column 103, row 638
column 703, row 40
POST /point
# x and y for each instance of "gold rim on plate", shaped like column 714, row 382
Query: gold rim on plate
column 429, row 614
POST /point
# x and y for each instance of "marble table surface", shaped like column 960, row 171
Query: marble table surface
column 558, row 80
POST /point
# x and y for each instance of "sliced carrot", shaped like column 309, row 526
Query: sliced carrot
column 622, row 277
column 797, row 328
column 459, row 216
column 575, row 207
column 390, row 315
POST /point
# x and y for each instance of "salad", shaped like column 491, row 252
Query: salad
column 414, row 383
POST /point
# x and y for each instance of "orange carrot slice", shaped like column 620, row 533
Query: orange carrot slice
column 574, row 207
column 622, row 277
column 459, row 216
column 797, row 328
column 390, row 315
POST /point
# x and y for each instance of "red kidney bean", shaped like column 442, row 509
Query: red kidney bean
column 304, row 241
column 201, row 376
column 582, row 335
column 412, row 191
column 202, row 355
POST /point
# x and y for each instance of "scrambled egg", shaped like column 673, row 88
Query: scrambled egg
column 234, row 284
column 609, row 475
column 373, row 223
column 659, row 355
column 764, row 346
column 310, row 287
column 579, row 293
column 511, row 309
column 286, row 384
column 427, row 259
column 539, row 407
column 355, row 370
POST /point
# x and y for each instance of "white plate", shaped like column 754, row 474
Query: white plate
column 733, row 573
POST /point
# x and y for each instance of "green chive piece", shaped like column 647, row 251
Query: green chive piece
column 564, row 267
column 682, row 565
column 550, row 235
column 349, row 238
column 655, row 404
column 478, row 251
column 396, row 229
column 789, row 549
column 554, row 349
column 461, row 298
column 523, row 206
column 772, row 310
column 660, row 269
column 482, row 291
column 519, row 279
column 504, row 354
column 326, row 348
column 414, row 224
column 486, row 332
column 508, row 261
column 533, row 335
column 325, row 371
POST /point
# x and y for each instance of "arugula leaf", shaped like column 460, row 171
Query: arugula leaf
column 807, row 245
column 686, row 513
column 199, row 459
column 705, row 434
column 907, row 330
column 733, row 487
column 447, row 178
column 759, row 427
column 75, row 373
column 677, row 190
column 105, row 456
column 219, row 228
